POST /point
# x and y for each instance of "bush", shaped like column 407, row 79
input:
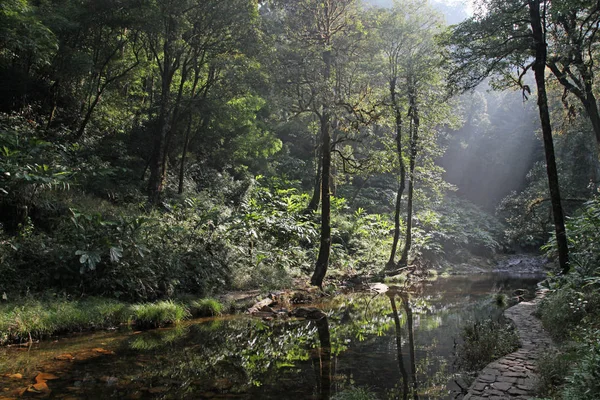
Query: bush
column 562, row 311
column 584, row 381
column 552, row 367
column 485, row 341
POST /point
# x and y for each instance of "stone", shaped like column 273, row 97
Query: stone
column 504, row 386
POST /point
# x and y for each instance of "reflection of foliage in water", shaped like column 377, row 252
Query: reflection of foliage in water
column 235, row 355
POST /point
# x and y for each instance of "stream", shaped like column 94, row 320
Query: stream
column 396, row 346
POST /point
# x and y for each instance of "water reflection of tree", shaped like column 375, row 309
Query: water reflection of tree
column 323, row 359
column 411, row 343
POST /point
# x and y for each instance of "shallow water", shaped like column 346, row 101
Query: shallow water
column 356, row 346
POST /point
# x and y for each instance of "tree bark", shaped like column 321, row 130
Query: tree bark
column 539, row 67
column 325, row 242
column 414, row 138
column 391, row 264
column 315, row 200
column 325, row 120
column 157, row 164
column 399, row 348
column 411, row 344
column 325, row 358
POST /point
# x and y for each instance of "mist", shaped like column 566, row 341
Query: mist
column 491, row 154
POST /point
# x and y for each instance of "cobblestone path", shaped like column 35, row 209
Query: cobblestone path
column 514, row 376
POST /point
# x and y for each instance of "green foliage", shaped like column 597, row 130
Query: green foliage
column 564, row 310
column 485, row 341
column 570, row 310
column 584, row 383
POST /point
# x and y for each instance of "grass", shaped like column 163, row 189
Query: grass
column 208, row 307
column 154, row 315
column 34, row 319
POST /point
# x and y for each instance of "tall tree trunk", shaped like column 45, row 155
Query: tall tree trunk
column 591, row 108
column 391, row 264
column 88, row 116
column 411, row 344
column 325, row 120
column 157, row 164
column 539, row 67
column 325, row 242
column 399, row 347
column 186, row 142
column 333, row 173
column 414, row 138
column 325, row 358
column 313, row 206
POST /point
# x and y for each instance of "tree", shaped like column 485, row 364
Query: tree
column 572, row 28
column 318, row 45
column 186, row 40
column 413, row 62
column 510, row 36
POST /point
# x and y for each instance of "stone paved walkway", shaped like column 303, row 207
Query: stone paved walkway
column 514, row 376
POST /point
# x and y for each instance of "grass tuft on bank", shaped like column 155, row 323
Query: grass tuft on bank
column 35, row 319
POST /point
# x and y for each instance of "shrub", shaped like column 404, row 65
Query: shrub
column 562, row 311
column 584, row 381
column 552, row 367
column 485, row 341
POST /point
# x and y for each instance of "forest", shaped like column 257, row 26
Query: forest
column 400, row 170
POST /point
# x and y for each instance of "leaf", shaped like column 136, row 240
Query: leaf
column 84, row 258
column 43, row 377
column 115, row 254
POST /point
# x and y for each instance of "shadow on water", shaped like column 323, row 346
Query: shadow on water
column 393, row 346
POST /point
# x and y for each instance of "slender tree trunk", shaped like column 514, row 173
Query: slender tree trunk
column 87, row 117
column 411, row 344
column 325, row 358
column 325, row 242
column 333, row 173
column 399, row 348
column 539, row 67
column 414, row 138
column 157, row 165
column 591, row 108
column 313, row 206
column 186, row 142
column 391, row 264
